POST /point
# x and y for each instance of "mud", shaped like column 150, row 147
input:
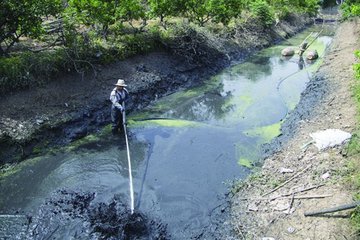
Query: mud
column 78, row 215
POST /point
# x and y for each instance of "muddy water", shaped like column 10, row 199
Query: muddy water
column 186, row 149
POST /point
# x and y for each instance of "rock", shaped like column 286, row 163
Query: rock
column 39, row 121
column 289, row 51
column 325, row 175
column 312, row 55
column 291, row 230
column 253, row 207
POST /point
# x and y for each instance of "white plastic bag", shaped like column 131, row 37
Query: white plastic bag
column 329, row 138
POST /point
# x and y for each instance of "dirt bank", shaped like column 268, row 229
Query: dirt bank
column 259, row 212
column 73, row 105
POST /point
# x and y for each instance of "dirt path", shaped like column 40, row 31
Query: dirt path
column 260, row 216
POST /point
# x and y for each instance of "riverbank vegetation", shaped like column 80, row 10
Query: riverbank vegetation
column 351, row 9
column 353, row 151
column 75, row 35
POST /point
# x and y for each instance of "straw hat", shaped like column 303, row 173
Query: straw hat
column 120, row 83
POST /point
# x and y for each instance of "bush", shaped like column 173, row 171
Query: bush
column 30, row 69
column 350, row 10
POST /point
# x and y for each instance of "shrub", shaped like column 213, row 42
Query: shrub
column 30, row 69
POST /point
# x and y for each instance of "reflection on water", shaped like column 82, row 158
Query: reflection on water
column 183, row 147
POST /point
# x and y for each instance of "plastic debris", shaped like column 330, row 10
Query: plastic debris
column 286, row 170
column 325, row 175
column 329, row 138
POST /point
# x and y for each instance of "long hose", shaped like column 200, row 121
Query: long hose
column 129, row 163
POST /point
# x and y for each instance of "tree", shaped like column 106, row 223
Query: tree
column 263, row 11
column 223, row 10
column 198, row 11
column 161, row 8
column 106, row 12
column 19, row 18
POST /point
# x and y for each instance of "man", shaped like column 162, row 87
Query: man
column 118, row 97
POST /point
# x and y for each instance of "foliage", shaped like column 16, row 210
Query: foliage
column 20, row 18
column 98, row 13
column 350, row 9
column 198, row 11
column 220, row 11
column 165, row 8
column 263, row 11
column 283, row 8
column 224, row 10
column 101, row 31
column 30, row 69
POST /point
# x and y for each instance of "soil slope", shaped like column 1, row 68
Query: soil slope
column 269, row 204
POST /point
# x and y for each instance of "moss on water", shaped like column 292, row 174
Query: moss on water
column 15, row 168
column 267, row 133
column 245, row 163
column 247, row 154
column 163, row 122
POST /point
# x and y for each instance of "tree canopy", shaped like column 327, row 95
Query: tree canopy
column 20, row 18
column 24, row 18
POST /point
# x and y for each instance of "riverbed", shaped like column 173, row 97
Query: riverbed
column 186, row 149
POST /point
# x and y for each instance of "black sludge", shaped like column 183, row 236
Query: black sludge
column 78, row 215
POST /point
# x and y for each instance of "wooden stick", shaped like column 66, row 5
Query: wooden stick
column 286, row 182
column 291, row 203
column 299, row 191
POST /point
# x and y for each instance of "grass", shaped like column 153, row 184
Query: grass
column 353, row 151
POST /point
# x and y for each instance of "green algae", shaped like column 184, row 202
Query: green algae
column 178, row 99
column 245, row 163
column 13, row 169
column 176, row 123
column 266, row 133
column 246, row 154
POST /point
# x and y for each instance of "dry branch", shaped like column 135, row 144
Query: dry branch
column 286, row 182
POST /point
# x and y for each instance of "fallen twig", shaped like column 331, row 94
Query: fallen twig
column 291, row 203
column 286, row 182
column 299, row 191
column 334, row 209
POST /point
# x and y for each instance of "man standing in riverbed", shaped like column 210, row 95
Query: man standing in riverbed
column 118, row 97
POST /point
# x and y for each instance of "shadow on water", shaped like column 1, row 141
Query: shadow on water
column 186, row 150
